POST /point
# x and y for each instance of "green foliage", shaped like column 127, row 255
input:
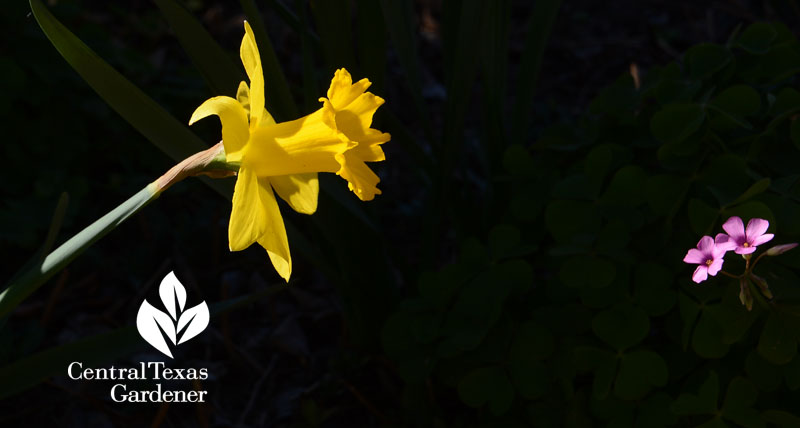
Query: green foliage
column 158, row 126
column 574, row 308
column 217, row 66
column 611, row 313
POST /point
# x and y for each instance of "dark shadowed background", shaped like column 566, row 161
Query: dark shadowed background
column 523, row 264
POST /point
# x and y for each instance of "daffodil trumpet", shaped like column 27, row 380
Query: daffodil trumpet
column 284, row 158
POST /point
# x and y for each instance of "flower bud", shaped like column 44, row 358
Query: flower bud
column 744, row 294
column 780, row 249
column 762, row 285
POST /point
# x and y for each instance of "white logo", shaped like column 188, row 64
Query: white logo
column 190, row 322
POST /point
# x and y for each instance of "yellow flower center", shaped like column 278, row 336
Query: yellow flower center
column 709, row 262
column 746, row 244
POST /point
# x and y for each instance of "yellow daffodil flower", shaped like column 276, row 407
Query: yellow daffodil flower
column 286, row 157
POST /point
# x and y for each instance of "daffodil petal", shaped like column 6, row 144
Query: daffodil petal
column 252, row 65
column 281, row 261
column 247, row 223
column 243, row 96
column 360, row 178
column 342, row 90
column 355, row 120
column 274, row 239
column 300, row 191
column 233, row 116
column 373, row 136
column 370, row 152
column 364, row 107
column 266, row 118
column 255, row 217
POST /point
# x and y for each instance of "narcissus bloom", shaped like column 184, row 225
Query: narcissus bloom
column 286, row 157
column 747, row 240
column 708, row 255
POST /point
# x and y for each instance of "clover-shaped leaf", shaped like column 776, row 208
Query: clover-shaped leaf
column 701, row 216
column 439, row 287
column 740, row 100
column 791, row 374
column 654, row 289
column 598, row 162
column 704, row 402
column 626, row 187
column 732, row 105
column 707, row 338
column 654, row 411
column 532, row 343
column 587, row 271
column 503, row 239
column 639, row 371
column 675, row 89
column 734, row 321
column 622, row 326
column 631, row 374
column 676, row 122
column 767, row 376
column 665, row 193
column 737, row 406
column 487, row 385
column 518, row 160
column 787, row 100
column 781, row 418
column 777, row 344
column 757, row 38
column 756, row 188
column 566, row 218
column 705, row 59
column 712, row 328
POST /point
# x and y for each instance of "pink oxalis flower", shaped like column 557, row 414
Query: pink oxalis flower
column 708, row 255
column 710, row 252
column 747, row 240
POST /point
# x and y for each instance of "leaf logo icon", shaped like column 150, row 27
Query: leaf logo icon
column 153, row 324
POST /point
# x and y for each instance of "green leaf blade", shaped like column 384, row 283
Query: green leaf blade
column 144, row 114
column 218, row 69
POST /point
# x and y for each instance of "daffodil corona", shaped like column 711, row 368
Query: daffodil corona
column 286, row 157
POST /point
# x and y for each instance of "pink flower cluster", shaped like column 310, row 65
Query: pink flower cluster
column 710, row 251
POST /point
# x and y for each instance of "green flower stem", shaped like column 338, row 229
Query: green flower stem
column 755, row 262
column 31, row 277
